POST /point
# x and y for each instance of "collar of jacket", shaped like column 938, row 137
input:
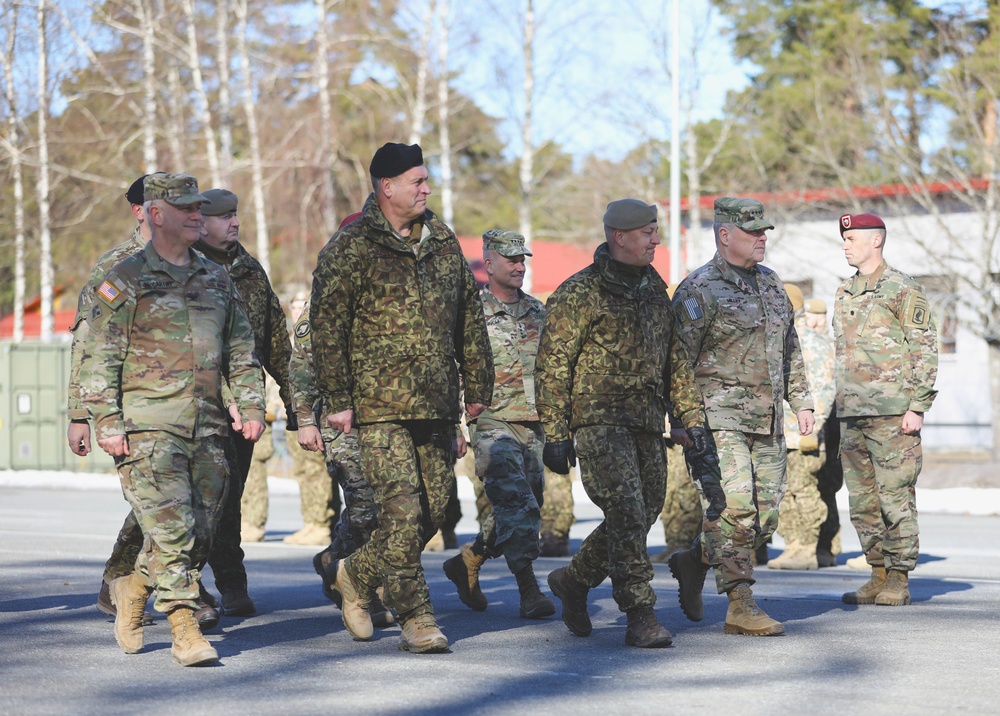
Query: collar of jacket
column 378, row 229
column 859, row 284
column 220, row 257
column 493, row 305
column 158, row 263
column 610, row 275
column 730, row 275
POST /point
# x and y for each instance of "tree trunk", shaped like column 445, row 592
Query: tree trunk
column 328, row 202
column 203, row 108
column 423, row 65
column 447, row 204
column 528, row 153
column 176, row 130
column 145, row 15
column 225, row 104
column 44, row 231
column 14, row 143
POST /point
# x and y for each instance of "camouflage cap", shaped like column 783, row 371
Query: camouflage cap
column 175, row 189
column 220, row 201
column 505, row 243
column 815, row 305
column 747, row 214
column 629, row 214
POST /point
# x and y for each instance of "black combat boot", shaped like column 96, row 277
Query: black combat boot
column 534, row 604
column 689, row 572
column 573, row 596
column 645, row 631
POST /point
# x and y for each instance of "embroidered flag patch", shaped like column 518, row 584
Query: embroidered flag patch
column 693, row 309
column 109, row 292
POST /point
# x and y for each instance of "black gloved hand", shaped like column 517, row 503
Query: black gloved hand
column 703, row 463
column 711, row 485
column 559, row 456
column 291, row 420
column 704, row 443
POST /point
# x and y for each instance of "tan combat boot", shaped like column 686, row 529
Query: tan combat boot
column 129, row 595
column 381, row 615
column 355, row 607
column 422, row 636
column 190, row 648
column 896, row 591
column 435, row 543
column 463, row 570
column 859, row 563
column 745, row 617
column 798, row 556
column 869, row 591
column 785, row 557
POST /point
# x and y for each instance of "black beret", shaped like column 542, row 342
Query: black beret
column 135, row 194
column 393, row 159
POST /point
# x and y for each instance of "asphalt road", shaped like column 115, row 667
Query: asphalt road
column 58, row 654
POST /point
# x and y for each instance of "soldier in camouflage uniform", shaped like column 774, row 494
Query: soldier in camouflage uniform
column 803, row 510
column 557, row 515
column 681, row 514
column 255, row 503
column 397, row 329
column 607, row 365
column 167, row 329
column 886, row 364
column 507, row 437
column 736, row 322
column 273, row 350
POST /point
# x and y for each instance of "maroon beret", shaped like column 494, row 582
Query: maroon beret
column 860, row 221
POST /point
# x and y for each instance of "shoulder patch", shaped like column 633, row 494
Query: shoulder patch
column 110, row 292
column 302, row 329
column 917, row 313
column 95, row 312
column 692, row 308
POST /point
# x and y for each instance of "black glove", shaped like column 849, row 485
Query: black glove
column 291, row 420
column 703, row 463
column 559, row 456
column 704, row 443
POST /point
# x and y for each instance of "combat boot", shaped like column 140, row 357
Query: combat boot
column 825, row 558
column 463, row 570
column 573, row 596
column 190, row 648
column 896, row 592
column 325, row 565
column 380, row 614
column 207, row 613
column 129, row 595
column 449, row 538
column 422, row 636
column 534, row 604
column 550, row 545
column 869, row 591
column 745, row 617
column 355, row 607
column 795, row 556
column 237, row 603
column 645, row 631
column 859, row 563
column 689, row 572
column 105, row 606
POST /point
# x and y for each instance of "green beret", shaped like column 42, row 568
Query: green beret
column 505, row 243
column 222, row 201
column 628, row 214
column 175, row 189
column 747, row 214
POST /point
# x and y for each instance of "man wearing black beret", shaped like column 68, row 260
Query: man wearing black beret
column 397, row 326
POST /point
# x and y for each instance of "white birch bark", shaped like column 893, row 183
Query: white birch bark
column 14, row 149
column 526, row 173
column 203, row 108
column 145, row 15
column 42, row 182
column 447, row 202
column 423, row 67
column 328, row 153
column 225, row 104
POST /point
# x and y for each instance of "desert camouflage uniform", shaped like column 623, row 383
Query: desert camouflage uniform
column 129, row 541
column 163, row 338
column 746, row 360
column 255, row 503
column 395, row 322
column 886, row 364
column 803, row 510
column 272, row 349
column 557, row 504
column 507, row 438
column 342, row 454
column 607, row 365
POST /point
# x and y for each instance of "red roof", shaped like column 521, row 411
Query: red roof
column 33, row 324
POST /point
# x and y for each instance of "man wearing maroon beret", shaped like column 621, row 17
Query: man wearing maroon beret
column 886, row 364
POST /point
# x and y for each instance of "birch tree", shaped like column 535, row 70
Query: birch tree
column 419, row 113
column 13, row 146
column 42, row 181
column 526, row 173
column 203, row 107
column 225, row 105
column 327, row 149
column 447, row 204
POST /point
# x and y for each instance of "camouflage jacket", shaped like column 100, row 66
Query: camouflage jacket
column 81, row 353
column 817, row 353
column 262, row 307
column 609, row 355
column 301, row 379
column 886, row 345
column 514, row 331
column 394, row 326
column 744, row 347
column 163, row 336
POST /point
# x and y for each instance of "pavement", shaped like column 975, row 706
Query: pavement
column 58, row 654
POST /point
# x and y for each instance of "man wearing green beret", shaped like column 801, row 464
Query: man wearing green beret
column 736, row 321
column 608, row 365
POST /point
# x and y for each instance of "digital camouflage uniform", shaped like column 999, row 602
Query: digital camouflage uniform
column 747, row 360
column 803, row 510
column 886, row 364
column 129, row 542
column 681, row 515
column 507, row 438
column 163, row 338
column 395, row 322
column 607, row 365
column 273, row 350
column 342, row 454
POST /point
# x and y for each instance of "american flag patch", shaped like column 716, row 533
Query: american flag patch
column 109, row 292
column 693, row 309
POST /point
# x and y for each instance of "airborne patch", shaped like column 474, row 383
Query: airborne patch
column 918, row 314
column 302, row 329
column 692, row 308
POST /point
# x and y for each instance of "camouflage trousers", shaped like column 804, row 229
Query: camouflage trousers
column 125, row 550
column 881, row 466
column 624, row 473
column 411, row 466
column 802, row 509
column 509, row 463
column 319, row 494
column 176, row 488
column 753, row 478
column 254, row 503
column 360, row 514
column 483, row 507
column 557, row 506
column 681, row 515
column 226, row 558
